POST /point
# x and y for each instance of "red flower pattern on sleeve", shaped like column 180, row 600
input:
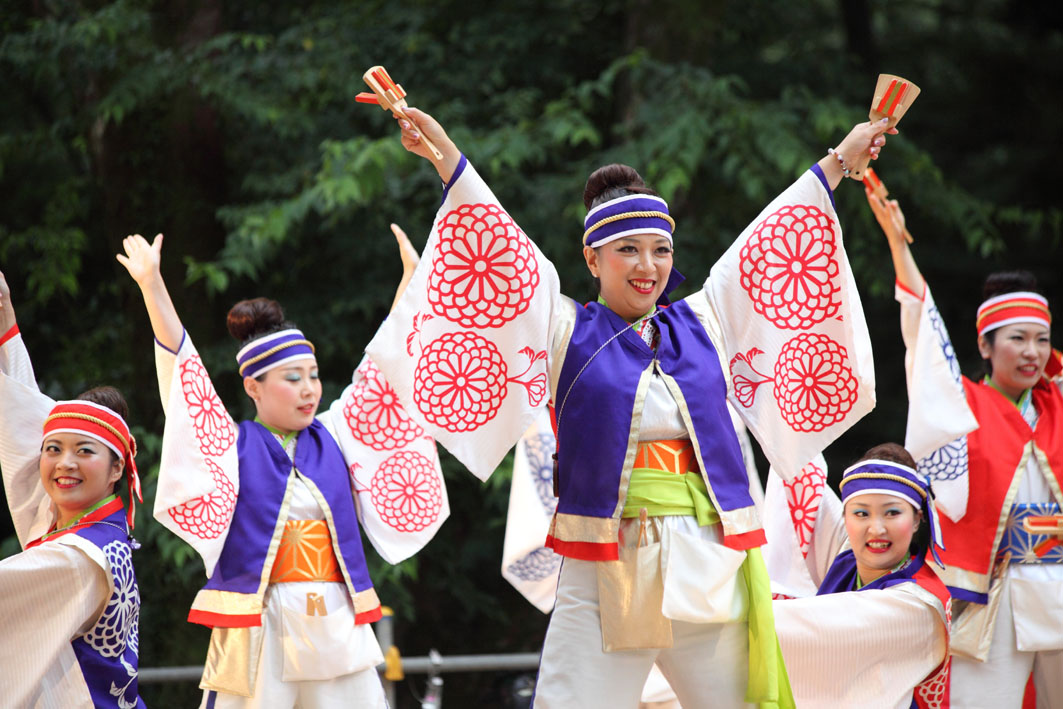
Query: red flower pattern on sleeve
column 460, row 381
column 789, row 268
column 214, row 428
column 814, row 384
column 803, row 495
column 485, row 271
column 208, row 516
column 375, row 416
column 406, row 492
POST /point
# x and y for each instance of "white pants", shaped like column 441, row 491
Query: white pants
column 1000, row 681
column 360, row 688
column 708, row 665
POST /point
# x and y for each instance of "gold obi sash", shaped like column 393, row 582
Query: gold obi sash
column 306, row 553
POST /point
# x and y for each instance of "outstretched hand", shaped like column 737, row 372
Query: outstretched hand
column 7, row 310
column 866, row 137
column 407, row 252
column 890, row 218
column 410, row 259
column 417, row 122
column 141, row 259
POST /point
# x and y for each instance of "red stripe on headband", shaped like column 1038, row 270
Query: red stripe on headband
column 104, row 424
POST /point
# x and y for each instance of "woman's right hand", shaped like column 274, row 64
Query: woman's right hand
column 417, row 123
column 141, row 259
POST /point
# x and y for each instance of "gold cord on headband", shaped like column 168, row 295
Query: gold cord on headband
column 883, row 476
column 91, row 419
column 274, row 350
column 629, row 215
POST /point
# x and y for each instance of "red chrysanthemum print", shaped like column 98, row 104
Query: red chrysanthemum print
column 207, row 517
column 374, row 415
column 406, row 492
column 485, row 271
column 460, row 381
column 814, row 385
column 803, row 494
column 213, row 425
column 789, row 267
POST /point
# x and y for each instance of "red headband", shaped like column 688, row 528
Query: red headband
column 1009, row 308
column 108, row 428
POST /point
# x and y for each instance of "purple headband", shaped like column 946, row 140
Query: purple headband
column 633, row 214
column 273, row 350
column 883, row 477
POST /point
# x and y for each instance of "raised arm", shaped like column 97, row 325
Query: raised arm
column 142, row 260
column 863, row 138
column 7, row 310
column 891, row 219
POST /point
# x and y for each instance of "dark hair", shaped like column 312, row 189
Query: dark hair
column 611, row 182
column 250, row 319
column 896, row 453
column 111, row 398
column 999, row 283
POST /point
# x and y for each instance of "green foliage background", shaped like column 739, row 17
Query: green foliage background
column 231, row 127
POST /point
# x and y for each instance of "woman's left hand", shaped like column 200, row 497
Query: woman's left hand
column 141, row 259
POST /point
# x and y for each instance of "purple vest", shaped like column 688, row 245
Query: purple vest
column 264, row 471
column 595, row 421
column 108, row 652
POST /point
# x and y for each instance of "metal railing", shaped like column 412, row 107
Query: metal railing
column 431, row 664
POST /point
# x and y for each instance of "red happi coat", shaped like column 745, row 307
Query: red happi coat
column 997, row 454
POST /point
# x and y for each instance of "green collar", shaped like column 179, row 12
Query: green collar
column 860, row 582
column 651, row 311
column 286, row 438
column 1024, row 398
column 84, row 512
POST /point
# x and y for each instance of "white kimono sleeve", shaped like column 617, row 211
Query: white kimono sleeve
column 23, row 409
column 859, row 649
column 939, row 418
column 51, row 593
column 199, row 475
column 792, row 329
column 805, row 530
column 529, row 566
column 466, row 348
column 396, row 479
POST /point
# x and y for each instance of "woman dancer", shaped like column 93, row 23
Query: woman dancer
column 70, row 598
column 1009, row 467
column 876, row 634
column 271, row 505
column 654, row 514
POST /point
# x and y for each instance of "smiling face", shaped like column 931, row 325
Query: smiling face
column 633, row 271
column 77, row 472
column 880, row 529
column 1018, row 354
column 287, row 397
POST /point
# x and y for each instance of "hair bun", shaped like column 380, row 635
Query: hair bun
column 1008, row 282
column 250, row 318
column 611, row 182
column 107, row 396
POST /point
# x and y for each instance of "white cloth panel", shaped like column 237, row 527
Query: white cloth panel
column 51, row 593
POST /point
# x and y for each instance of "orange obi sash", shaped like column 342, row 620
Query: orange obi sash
column 675, row 456
column 306, row 553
